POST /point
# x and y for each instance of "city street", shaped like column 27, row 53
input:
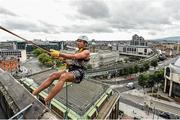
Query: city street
column 150, row 104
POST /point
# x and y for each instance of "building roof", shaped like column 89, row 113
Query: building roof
column 175, row 67
column 80, row 96
column 18, row 98
column 177, row 62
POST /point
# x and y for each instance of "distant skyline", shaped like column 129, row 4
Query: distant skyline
column 98, row 19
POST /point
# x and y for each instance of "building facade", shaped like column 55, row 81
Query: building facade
column 172, row 79
column 17, row 54
column 137, row 47
column 104, row 58
column 138, row 41
column 170, row 49
column 9, row 65
column 29, row 47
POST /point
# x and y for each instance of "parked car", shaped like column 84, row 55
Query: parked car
column 131, row 77
column 130, row 85
column 165, row 115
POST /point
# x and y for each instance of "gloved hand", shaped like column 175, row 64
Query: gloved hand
column 54, row 53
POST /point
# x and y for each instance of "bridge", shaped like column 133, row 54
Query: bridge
column 131, row 54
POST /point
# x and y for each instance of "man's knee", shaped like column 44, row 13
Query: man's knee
column 64, row 76
column 54, row 75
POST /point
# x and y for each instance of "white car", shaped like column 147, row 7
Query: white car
column 130, row 85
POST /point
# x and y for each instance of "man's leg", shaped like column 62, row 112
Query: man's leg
column 48, row 81
column 65, row 77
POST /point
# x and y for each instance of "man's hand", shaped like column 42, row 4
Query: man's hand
column 54, row 53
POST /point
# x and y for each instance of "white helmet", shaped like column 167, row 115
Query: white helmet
column 83, row 37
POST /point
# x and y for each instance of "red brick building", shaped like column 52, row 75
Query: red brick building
column 9, row 65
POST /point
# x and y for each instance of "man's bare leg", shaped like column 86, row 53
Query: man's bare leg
column 48, row 81
column 65, row 77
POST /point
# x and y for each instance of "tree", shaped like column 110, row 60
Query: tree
column 151, row 81
column 136, row 68
column 38, row 51
column 154, row 63
column 142, row 80
column 159, row 76
column 58, row 62
column 44, row 58
column 141, row 68
column 146, row 66
column 130, row 69
column 125, row 71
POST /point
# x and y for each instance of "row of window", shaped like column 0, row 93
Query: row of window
column 11, row 53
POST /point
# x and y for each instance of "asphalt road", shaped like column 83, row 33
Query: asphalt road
column 145, row 108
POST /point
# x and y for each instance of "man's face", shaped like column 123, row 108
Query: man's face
column 80, row 43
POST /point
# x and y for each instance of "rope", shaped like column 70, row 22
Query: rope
column 46, row 50
column 24, row 39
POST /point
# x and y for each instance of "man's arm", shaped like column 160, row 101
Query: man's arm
column 82, row 55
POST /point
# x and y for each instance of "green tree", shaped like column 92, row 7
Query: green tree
column 131, row 70
column 44, row 58
column 151, row 82
column 38, row 51
column 146, row 66
column 159, row 76
column 141, row 68
column 136, row 68
column 58, row 62
column 143, row 80
column 154, row 63
column 125, row 71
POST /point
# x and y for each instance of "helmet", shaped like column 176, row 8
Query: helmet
column 83, row 37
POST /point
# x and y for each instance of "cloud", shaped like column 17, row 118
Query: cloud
column 152, row 33
column 128, row 14
column 4, row 11
column 149, row 17
column 94, row 28
column 94, row 8
column 123, row 15
column 172, row 8
column 31, row 26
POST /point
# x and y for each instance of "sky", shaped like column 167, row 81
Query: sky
column 97, row 19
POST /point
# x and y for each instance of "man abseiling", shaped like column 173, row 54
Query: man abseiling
column 75, row 72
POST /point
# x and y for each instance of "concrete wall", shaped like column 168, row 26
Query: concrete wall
column 23, row 55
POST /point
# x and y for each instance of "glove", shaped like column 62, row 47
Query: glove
column 54, row 53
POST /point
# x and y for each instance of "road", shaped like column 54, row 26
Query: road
column 155, row 108
column 33, row 66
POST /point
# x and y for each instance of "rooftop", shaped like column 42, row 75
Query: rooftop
column 80, row 96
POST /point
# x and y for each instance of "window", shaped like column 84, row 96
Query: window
column 168, row 71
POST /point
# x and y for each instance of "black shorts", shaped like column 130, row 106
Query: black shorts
column 78, row 73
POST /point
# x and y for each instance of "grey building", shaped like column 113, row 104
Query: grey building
column 172, row 79
column 138, row 41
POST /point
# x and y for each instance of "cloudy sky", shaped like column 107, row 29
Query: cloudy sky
column 98, row 19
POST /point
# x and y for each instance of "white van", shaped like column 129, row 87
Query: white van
column 130, row 85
